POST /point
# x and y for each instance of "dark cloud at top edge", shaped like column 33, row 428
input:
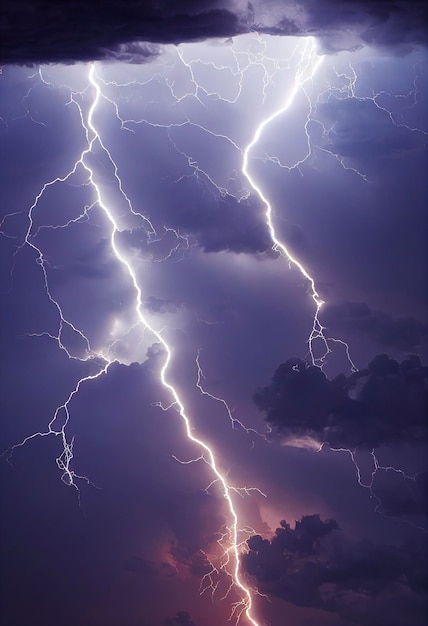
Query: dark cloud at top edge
column 65, row 32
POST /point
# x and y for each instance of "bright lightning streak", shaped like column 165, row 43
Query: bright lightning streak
column 309, row 65
column 245, row 605
column 306, row 71
column 210, row 457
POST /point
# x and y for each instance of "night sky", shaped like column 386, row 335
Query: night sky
column 213, row 241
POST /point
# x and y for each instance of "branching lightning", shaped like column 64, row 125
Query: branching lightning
column 235, row 423
column 234, row 545
column 99, row 361
column 310, row 62
column 369, row 484
column 306, row 70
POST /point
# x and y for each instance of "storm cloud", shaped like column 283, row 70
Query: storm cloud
column 383, row 404
column 315, row 565
column 39, row 31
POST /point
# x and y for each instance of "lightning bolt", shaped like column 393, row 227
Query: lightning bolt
column 234, row 545
column 369, row 485
column 305, row 72
column 208, row 453
column 99, row 361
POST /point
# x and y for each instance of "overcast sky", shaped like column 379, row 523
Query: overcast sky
column 130, row 228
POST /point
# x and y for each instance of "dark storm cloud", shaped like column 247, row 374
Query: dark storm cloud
column 81, row 31
column 213, row 221
column 391, row 332
column 37, row 31
column 219, row 222
column 383, row 404
column 390, row 23
column 315, row 565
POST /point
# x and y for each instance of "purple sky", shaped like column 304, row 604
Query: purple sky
column 132, row 540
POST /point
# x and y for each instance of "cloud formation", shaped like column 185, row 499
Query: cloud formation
column 215, row 222
column 34, row 31
column 315, row 565
column 218, row 222
column 383, row 404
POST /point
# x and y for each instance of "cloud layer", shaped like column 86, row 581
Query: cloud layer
column 39, row 31
column 383, row 404
column 315, row 565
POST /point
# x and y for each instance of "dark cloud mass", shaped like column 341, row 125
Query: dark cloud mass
column 383, row 404
column 315, row 565
column 216, row 222
column 223, row 223
column 71, row 31
column 33, row 32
